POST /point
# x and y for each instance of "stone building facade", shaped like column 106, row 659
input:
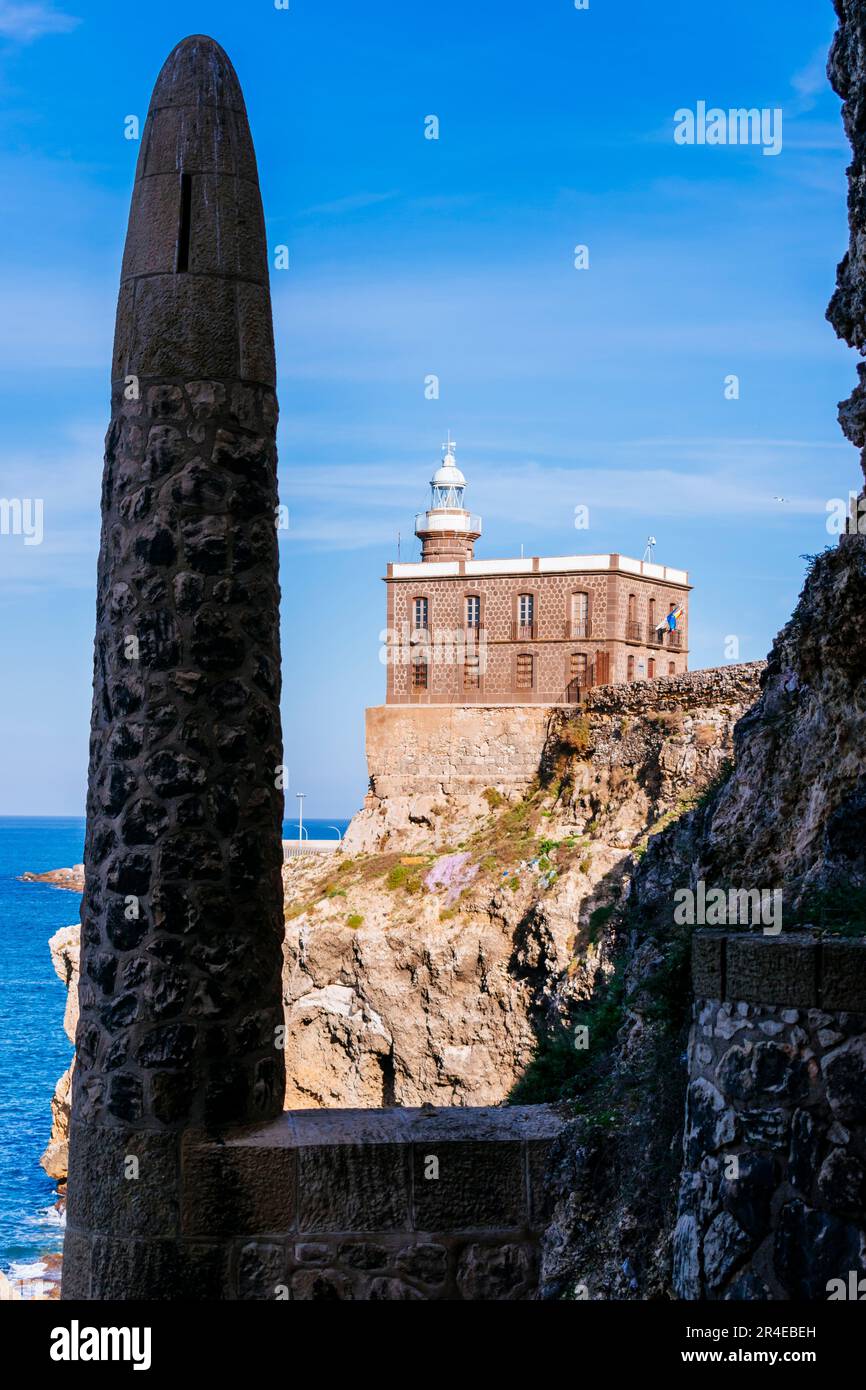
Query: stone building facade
column 541, row 630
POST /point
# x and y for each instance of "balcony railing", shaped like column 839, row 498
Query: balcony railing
column 575, row 628
column 523, row 632
column 633, row 632
column 675, row 639
column 654, row 636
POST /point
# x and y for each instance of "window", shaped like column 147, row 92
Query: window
column 576, row 674
column 524, row 671
column 577, row 667
column 580, row 615
column 632, row 627
column 420, row 611
column 651, row 668
column 526, row 610
column 472, row 673
column 651, row 617
column 672, row 668
column 630, row 668
column 473, row 611
column 419, row 675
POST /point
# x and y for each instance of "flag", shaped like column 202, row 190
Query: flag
column 673, row 617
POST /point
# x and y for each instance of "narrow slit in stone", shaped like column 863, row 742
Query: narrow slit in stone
column 183, row 223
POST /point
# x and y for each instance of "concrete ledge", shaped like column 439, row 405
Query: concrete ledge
column 793, row 969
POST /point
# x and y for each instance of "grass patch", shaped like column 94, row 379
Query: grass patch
column 354, row 920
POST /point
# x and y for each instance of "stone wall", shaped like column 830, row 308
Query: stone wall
column 774, row 1179
column 445, row 748
column 394, row 1204
column 430, row 765
column 713, row 685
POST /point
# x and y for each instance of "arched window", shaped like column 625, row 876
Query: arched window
column 672, row 668
column 525, row 617
column 577, row 669
column 630, row 675
column 651, row 668
column 525, row 666
column 420, row 614
column 580, row 615
column 651, row 620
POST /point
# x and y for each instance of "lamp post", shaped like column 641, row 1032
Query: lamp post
column 300, row 796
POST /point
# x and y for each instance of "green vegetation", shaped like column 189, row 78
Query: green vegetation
column 576, row 736
column 563, row 1071
column 837, row 911
column 598, row 919
column 354, row 920
column 494, row 798
column 405, row 876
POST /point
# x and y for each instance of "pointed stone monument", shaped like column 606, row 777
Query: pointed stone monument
column 182, row 917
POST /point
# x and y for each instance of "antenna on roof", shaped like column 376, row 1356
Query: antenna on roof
column 650, row 547
column 398, row 547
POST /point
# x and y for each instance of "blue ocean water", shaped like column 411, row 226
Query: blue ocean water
column 34, row 1049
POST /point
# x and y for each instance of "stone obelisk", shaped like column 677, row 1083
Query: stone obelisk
column 182, row 914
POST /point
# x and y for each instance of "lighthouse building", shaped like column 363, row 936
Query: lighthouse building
column 539, row 630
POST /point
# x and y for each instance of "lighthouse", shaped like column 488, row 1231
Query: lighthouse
column 447, row 531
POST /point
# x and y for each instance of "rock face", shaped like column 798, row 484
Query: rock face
column 429, row 981
column 182, row 910
column 64, row 948
column 434, row 988
column 792, row 815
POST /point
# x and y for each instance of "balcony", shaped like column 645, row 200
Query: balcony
column 675, row 639
column 654, row 637
column 574, row 630
column 459, row 521
column 633, row 632
column 523, row 632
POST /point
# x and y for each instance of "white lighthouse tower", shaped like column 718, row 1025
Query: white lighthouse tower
column 447, row 531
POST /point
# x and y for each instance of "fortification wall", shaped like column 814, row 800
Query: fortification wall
column 774, row 1148
column 715, row 685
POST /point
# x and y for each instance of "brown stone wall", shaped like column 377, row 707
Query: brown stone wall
column 552, row 646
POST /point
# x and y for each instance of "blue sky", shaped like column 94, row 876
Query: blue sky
column 454, row 257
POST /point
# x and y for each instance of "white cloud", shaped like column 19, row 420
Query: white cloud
column 25, row 23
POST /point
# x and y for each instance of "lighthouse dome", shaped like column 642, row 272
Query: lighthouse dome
column 448, row 474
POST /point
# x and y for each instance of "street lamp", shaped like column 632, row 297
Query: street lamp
column 300, row 796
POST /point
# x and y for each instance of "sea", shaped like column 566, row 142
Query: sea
column 34, row 1050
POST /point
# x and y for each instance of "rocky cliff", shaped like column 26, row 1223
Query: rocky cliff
column 430, row 975
column 792, row 815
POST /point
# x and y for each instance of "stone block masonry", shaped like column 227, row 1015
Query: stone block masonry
column 773, row 1194
column 397, row 1204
